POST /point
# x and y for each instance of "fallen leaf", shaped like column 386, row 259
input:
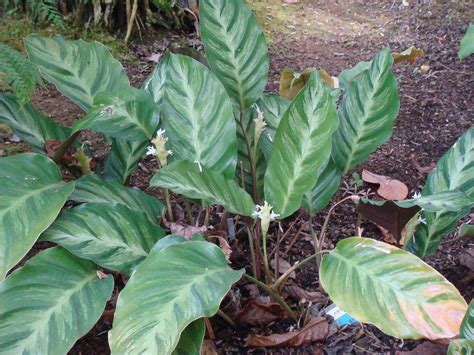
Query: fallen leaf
column 260, row 314
column 389, row 216
column 390, row 189
column 302, row 295
column 154, row 57
column 283, row 266
column 425, row 68
column 427, row 347
column 224, row 245
column 409, row 55
column 182, row 229
column 208, row 347
column 291, row 82
column 422, row 169
column 316, row 330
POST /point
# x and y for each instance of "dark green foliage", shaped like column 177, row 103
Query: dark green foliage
column 17, row 73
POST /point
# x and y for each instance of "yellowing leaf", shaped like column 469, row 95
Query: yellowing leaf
column 408, row 55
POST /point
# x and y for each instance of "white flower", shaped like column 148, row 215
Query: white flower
column 416, row 195
column 421, row 220
column 150, row 150
column 259, row 123
column 266, row 215
column 159, row 149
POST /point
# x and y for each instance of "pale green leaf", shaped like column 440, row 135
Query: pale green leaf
column 79, row 70
column 51, row 302
column 155, row 83
column 211, row 186
column 123, row 158
column 393, row 289
column 94, row 189
column 369, row 106
column 124, row 114
column 191, row 339
column 31, row 197
column 461, row 347
column 111, row 235
column 235, row 48
column 198, row 116
column 467, row 325
column 29, row 124
column 327, row 184
column 454, row 172
column 466, row 47
column 347, row 75
column 173, row 287
column 302, row 145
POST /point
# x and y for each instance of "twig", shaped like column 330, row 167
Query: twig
column 131, row 20
column 225, row 317
column 293, row 240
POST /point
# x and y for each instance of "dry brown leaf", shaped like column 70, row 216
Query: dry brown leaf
column 389, row 216
column 260, row 314
column 422, row 169
column 331, row 81
column 224, row 245
column 283, row 266
column 302, row 295
column 185, row 230
column 208, row 348
column 291, row 82
column 390, row 189
column 316, row 330
column 408, row 55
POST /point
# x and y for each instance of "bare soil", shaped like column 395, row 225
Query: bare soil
column 436, row 108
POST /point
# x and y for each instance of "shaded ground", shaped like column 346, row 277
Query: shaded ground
column 436, row 108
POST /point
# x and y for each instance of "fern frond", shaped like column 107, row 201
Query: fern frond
column 17, row 73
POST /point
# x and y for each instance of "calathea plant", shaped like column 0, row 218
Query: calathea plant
column 220, row 140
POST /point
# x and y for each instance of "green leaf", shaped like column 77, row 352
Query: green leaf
column 191, row 339
column 466, row 230
column 31, row 197
column 273, row 108
column 466, row 47
column 125, row 114
column 29, row 124
column 94, row 189
column 347, row 75
column 461, row 347
column 123, row 158
column 442, row 201
column 369, row 106
column 454, row 171
column 170, row 289
column 467, row 325
column 198, row 116
column 211, row 186
column 235, row 48
column 51, row 302
column 79, row 70
column 155, row 83
column 111, row 235
column 327, row 184
column 393, row 289
column 301, row 147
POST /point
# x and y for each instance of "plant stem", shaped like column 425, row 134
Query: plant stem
column 316, row 242
column 252, row 252
column 266, row 266
column 275, row 295
column 225, row 317
column 168, row 205
column 206, row 216
column 281, row 280
column 189, row 212
column 249, row 153
column 322, row 235
column 59, row 153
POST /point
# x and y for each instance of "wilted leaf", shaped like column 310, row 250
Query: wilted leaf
column 224, row 245
column 184, row 230
column 390, row 189
column 259, row 314
column 283, row 266
column 316, row 330
column 408, row 55
column 291, row 82
column 389, row 216
column 301, row 294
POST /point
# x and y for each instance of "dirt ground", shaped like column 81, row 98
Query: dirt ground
column 436, row 108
